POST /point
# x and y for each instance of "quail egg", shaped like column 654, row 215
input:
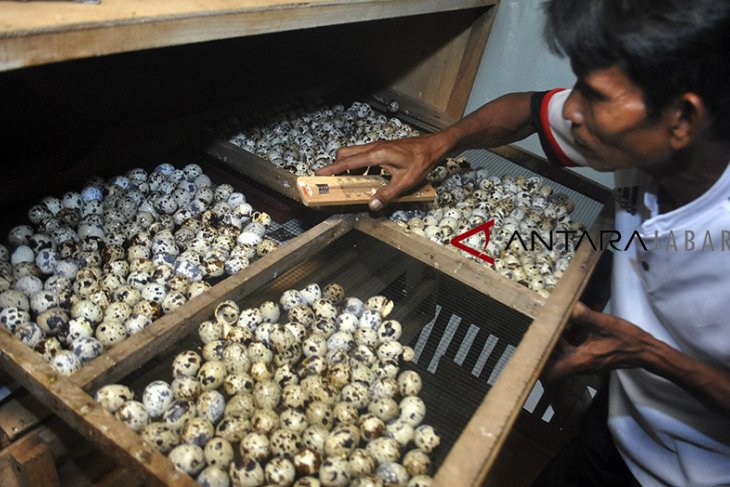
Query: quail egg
column 161, row 436
column 133, row 414
column 112, row 396
column 188, row 458
column 157, row 397
column 426, row 438
column 334, row 472
column 213, row 476
column 255, row 446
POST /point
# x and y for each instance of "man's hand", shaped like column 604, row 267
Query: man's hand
column 609, row 343
column 406, row 160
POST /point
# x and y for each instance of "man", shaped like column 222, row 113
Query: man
column 652, row 103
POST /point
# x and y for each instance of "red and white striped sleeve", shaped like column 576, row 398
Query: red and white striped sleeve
column 553, row 129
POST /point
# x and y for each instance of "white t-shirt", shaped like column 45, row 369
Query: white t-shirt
column 678, row 290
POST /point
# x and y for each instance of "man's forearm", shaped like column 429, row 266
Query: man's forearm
column 708, row 384
column 502, row 121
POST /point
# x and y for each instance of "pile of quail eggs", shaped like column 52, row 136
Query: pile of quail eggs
column 94, row 267
column 467, row 198
column 306, row 392
column 304, row 139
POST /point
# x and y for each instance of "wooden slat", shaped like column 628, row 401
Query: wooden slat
column 33, row 33
column 254, row 167
column 453, row 264
column 469, row 461
column 137, row 349
column 85, row 415
column 19, row 414
column 32, row 465
column 467, row 72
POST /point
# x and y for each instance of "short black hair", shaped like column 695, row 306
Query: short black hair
column 667, row 47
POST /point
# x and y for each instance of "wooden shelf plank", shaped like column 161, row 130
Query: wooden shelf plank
column 453, row 264
column 34, row 33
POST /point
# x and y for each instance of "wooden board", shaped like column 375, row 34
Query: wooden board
column 33, row 33
column 352, row 190
column 469, row 461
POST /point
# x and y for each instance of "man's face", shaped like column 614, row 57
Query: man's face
column 610, row 124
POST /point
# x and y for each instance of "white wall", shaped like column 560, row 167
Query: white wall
column 517, row 59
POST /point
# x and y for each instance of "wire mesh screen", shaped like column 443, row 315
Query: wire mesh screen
column 462, row 339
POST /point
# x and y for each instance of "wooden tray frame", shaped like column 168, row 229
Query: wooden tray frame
column 466, row 464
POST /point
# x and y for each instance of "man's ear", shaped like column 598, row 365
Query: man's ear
column 688, row 118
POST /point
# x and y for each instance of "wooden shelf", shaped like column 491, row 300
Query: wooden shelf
column 34, row 33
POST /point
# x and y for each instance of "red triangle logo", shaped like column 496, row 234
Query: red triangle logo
column 457, row 241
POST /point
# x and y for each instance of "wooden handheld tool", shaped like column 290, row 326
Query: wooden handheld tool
column 351, row 190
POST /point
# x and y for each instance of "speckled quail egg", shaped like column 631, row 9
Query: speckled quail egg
column 218, row 452
column 413, row 410
column 211, row 405
column 334, row 472
column 356, row 393
column 291, row 298
column 301, row 314
column 324, row 326
column 426, row 438
column 11, row 317
column 49, row 347
column 293, row 420
column 197, row 431
column 384, row 387
column 361, row 463
column 384, row 450
column 401, row 431
column 161, row 436
column 258, row 352
column 266, row 394
column 251, row 317
column 280, row 471
column 381, row 304
column 384, row 408
column 134, row 415
column 210, row 330
column 241, row 406
column 246, row 472
column 185, row 387
column 341, row 340
column 212, row 374
column 178, row 413
column 66, row 362
column 265, row 421
column 187, row 364
column 416, row 462
column 189, row 458
column 270, row 311
column 340, row 442
column 390, row 329
column 256, row 446
column 386, row 368
column 293, row 396
column 334, row 292
column 393, row 474
column 87, row 348
column 157, row 397
column 233, row 429
column 409, row 383
column 370, row 318
column 284, row 443
column 112, row 396
column 260, row 371
column 213, row 476
column 345, row 413
column 347, row 322
column 238, row 382
column 236, row 334
column 111, row 332
column 315, row 345
column 235, row 358
column 390, row 350
column 29, row 333
column 311, row 293
column 320, row 413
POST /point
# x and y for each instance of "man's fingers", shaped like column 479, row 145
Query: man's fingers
column 341, row 165
column 385, row 195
